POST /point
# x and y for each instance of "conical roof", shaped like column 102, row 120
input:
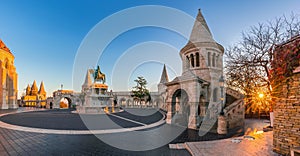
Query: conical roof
column 164, row 76
column 42, row 88
column 3, row 46
column 200, row 32
column 28, row 90
column 34, row 89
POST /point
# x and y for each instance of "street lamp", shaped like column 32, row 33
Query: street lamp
column 221, row 83
column 222, row 121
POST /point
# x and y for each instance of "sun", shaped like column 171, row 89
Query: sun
column 261, row 95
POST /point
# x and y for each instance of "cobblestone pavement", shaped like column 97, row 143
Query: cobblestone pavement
column 50, row 119
column 14, row 142
column 24, row 143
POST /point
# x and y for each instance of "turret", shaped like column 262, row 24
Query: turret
column 28, row 90
column 163, row 80
column 42, row 89
column 34, row 89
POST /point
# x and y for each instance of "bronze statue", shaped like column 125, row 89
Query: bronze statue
column 99, row 76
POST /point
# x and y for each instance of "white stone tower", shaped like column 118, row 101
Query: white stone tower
column 189, row 95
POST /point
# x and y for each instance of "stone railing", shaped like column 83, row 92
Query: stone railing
column 235, row 113
column 234, row 93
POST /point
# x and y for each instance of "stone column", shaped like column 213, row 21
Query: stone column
column 192, row 123
column 169, row 113
column 222, row 124
column 4, row 99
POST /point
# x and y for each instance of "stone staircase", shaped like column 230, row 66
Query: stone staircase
column 208, row 125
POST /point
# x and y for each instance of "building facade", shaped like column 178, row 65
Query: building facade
column 35, row 97
column 8, row 79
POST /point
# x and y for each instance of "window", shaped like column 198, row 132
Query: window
column 197, row 60
column 214, row 60
column 192, row 60
column 208, row 58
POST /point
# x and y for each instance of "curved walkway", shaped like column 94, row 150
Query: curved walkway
column 75, row 132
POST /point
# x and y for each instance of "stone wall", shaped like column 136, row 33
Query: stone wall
column 286, row 128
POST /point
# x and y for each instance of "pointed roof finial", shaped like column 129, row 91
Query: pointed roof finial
column 164, row 76
column 201, row 32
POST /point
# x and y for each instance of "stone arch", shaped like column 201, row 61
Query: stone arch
column 215, row 95
column 180, row 107
column 201, row 105
column 122, row 102
column 197, row 59
column 129, row 102
column 64, row 104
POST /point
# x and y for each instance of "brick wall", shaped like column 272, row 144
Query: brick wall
column 286, row 128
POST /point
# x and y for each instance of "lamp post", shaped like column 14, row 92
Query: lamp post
column 221, row 83
column 222, row 121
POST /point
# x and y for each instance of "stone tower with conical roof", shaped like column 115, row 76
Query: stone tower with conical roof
column 188, row 96
column 42, row 90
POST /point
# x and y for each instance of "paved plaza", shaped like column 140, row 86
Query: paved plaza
column 44, row 142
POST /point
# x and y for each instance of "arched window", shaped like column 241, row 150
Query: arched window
column 208, row 59
column 197, row 60
column 215, row 95
column 192, row 60
column 214, row 60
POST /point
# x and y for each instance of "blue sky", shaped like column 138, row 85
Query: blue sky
column 45, row 35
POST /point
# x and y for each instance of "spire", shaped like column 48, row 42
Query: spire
column 42, row 89
column 164, row 76
column 3, row 46
column 88, row 80
column 201, row 32
column 28, row 90
column 34, row 89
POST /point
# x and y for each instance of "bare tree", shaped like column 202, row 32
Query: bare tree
column 248, row 62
